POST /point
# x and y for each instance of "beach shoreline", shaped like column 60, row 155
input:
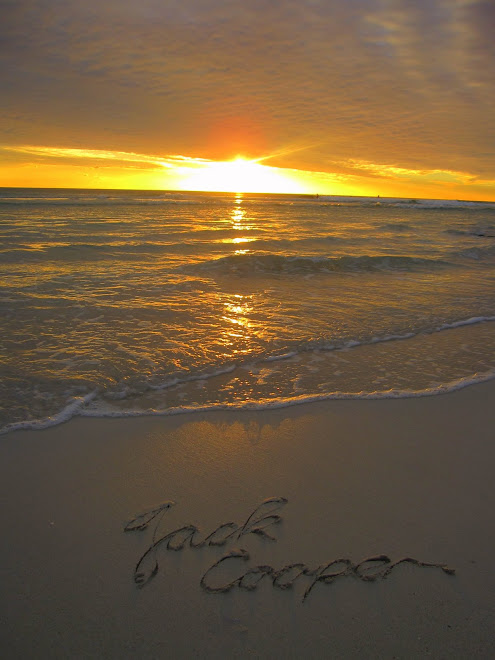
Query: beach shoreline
column 349, row 480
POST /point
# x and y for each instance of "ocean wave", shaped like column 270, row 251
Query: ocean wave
column 476, row 253
column 98, row 251
column 396, row 226
column 323, row 345
column 400, row 202
column 104, row 200
column 102, row 409
column 284, row 402
column 245, row 264
column 482, row 232
column 72, row 409
column 126, row 399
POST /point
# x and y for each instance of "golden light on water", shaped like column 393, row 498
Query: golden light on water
column 237, row 311
column 240, row 223
column 238, row 215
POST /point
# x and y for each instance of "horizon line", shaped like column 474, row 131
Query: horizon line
column 230, row 192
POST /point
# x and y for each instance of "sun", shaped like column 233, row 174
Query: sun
column 241, row 176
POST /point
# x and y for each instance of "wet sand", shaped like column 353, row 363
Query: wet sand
column 245, row 534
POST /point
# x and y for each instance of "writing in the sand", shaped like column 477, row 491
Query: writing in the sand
column 265, row 516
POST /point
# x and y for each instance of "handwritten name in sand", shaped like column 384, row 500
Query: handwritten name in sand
column 258, row 522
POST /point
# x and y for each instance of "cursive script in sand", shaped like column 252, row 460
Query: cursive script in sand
column 264, row 516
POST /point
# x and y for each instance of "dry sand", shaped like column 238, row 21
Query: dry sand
column 402, row 478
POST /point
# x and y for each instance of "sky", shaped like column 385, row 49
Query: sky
column 345, row 97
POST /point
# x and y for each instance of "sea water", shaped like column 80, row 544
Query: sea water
column 132, row 302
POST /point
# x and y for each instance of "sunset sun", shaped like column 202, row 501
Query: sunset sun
column 241, row 175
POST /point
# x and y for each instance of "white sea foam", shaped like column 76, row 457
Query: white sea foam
column 472, row 321
column 105, row 411
column 283, row 356
column 72, row 409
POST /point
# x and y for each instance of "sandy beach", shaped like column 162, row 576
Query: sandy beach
column 344, row 480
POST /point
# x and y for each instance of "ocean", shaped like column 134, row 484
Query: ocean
column 149, row 302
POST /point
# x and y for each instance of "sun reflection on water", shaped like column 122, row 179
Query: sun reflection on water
column 240, row 222
column 238, row 214
column 238, row 329
column 237, row 311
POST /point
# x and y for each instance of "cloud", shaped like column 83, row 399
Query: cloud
column 120, row 157
column 390, row 81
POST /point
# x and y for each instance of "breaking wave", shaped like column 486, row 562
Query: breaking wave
column 275, row 263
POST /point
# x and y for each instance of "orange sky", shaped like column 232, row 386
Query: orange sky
column 362, row 97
